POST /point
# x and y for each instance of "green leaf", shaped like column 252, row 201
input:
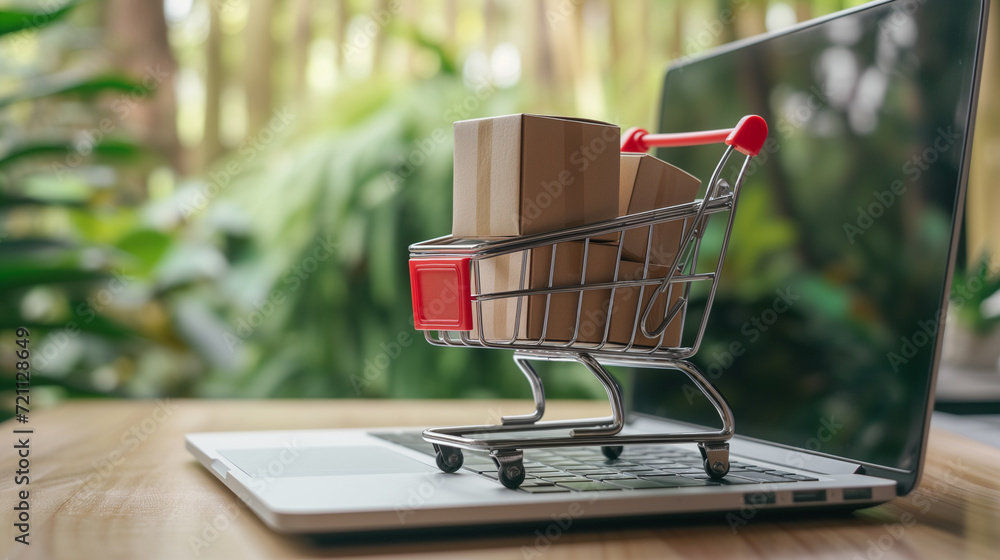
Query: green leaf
column 7, row 201
column 147, row 246
column 108, row 148
column 16, row 274
column 11, row 248
column 12, row 21
column 85, row 86
column 88, row 321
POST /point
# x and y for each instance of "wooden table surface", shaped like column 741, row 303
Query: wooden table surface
column 111, row 479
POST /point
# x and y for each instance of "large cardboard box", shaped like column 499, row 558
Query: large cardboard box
column 648, row 183
column 525, row 174
column 504, row 274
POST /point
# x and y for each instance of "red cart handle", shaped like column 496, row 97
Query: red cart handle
column 747, row 137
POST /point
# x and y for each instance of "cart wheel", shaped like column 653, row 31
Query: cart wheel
column 716, row 459
column 448, row 459
column 718, row 470
column 511, row 475
column 612, row 451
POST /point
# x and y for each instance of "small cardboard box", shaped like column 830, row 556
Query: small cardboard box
column 524, row 174
column 648, row 183
column 503, row 274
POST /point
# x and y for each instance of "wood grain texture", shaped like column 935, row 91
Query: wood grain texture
column 112, row 480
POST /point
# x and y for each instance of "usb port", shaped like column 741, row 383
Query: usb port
column 759, row 498
column 800, row 496
column 858, row 494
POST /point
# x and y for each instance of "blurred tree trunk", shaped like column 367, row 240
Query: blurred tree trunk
column 137, row 37
column 677, row 49
column 411, row 13
column 378, row 41
column 341, row 17
column 490, row 24
column 751, row 21
column 300, row 45
column 983, row 229
column 211, row 145
column 617, row 73
column 540, row 61
column 258, row 59
column 803, row 10
column 451, row 23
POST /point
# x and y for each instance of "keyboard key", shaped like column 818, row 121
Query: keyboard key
column 535, row 482
column 637, row 468
column 650, row 472
column 565, row 478
column 724, row 481
column 565, row 463
column 540, row 470
column 684, row 470
column 609, row 476
column 678, row 481
column 637, row 484
column 589, row 486
column 591, row 471
column 763, row 477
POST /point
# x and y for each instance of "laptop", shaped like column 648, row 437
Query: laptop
column 825, row 332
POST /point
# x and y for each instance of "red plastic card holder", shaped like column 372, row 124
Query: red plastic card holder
column 442, row 294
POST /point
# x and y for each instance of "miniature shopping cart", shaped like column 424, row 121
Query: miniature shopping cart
column 449, row 297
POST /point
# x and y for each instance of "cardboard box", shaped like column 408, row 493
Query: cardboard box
column 525, row 174
column 502, row 274
column 648, row 183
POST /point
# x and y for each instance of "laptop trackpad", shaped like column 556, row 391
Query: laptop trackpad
column 322, row 461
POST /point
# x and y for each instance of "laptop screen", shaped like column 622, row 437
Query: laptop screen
column 823, row 333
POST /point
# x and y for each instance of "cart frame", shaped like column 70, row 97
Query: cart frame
column 459, row 261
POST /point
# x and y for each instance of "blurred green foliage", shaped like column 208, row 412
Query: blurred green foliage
column 275, row 266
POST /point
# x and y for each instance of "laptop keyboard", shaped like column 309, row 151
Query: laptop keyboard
column 586, row 469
